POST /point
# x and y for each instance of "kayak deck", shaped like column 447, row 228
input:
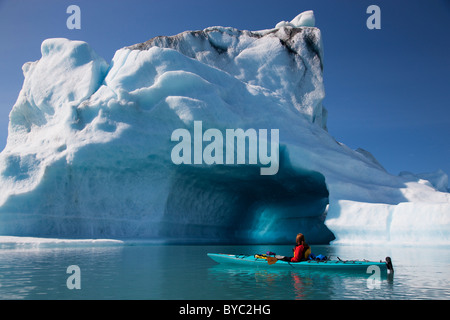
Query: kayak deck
column 258, row 261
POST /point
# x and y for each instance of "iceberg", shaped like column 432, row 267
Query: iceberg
column 89, row 147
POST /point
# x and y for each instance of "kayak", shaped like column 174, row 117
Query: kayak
column 265, row 261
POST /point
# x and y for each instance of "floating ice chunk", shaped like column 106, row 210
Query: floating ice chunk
column 11, row 242
column 406, row 223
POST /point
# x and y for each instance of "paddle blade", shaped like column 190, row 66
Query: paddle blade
column 271, row 260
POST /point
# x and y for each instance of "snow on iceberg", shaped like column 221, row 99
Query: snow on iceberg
column 89, row 147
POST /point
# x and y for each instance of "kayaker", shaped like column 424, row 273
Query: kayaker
column 301, row 250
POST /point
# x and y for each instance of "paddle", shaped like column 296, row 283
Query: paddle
column 271, row 260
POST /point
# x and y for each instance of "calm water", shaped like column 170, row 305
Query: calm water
column 185, row 272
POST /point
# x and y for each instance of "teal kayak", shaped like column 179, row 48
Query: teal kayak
column 272, row 262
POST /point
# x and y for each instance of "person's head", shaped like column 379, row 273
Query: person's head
column 300, row 239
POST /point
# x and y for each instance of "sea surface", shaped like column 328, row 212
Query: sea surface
column 185, row 272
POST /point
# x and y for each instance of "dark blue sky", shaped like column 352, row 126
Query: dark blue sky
column 387, row 90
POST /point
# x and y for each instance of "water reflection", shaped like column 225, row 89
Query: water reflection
column 41, row 273
column 186, row 272
column 263, row 283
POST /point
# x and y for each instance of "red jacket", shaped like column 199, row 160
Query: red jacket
column 299, row 253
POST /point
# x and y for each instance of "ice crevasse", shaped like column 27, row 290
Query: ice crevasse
column 89, row 147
